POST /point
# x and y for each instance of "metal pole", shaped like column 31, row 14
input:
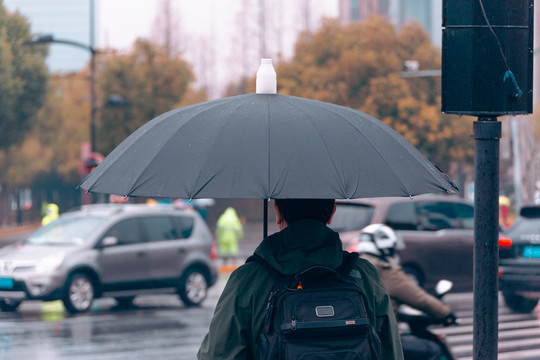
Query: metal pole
column 88, row 198
column 92, row 82
column 486, row 133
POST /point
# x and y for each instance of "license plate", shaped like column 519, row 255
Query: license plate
column 6, row 283
column 531, row 252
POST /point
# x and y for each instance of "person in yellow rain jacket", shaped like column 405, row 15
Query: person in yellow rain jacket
column 51, row 213
column 504, row 209
column 229, row 229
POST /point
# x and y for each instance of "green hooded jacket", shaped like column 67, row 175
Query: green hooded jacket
column 239, row 313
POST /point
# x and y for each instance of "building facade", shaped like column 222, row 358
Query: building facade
column 65, row 20
column 427, row 12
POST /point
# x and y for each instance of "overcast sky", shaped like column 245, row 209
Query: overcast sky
column 208, row 30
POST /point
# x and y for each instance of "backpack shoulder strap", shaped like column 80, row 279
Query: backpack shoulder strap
column 258, row 259
column 347, row 262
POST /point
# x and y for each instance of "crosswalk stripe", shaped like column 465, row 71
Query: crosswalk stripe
column 519, row 334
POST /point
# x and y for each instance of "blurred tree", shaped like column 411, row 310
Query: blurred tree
column 48, row 158
column 166, row 28
column 23, row 76
column 150, row 81
column 238, row 88
column 192, row 96
column 52, row 148
column 359, row 66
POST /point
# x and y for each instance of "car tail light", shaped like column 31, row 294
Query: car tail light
column 213, row 251
column 501, row 272
column 505, row 242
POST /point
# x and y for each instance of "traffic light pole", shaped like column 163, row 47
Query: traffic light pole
column 486, row 133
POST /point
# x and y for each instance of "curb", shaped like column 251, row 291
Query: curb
column 19, row 229
column 227, row 269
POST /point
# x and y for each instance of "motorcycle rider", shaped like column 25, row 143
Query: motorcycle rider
column 377, row 244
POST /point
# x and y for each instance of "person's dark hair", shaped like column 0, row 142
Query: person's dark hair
column 293, row 210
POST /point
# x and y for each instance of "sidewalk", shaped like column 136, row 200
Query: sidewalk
column 15, row 229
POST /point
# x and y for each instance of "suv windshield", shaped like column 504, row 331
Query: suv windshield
column 65, row 231
column 351, row 217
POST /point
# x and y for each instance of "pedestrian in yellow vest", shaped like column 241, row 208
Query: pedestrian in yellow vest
column 229, row 229
column 51, row 213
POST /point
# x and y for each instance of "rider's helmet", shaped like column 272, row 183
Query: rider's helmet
column 378, row 239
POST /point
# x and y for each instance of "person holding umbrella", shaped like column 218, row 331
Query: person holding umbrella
column 304, row 240
column 272, row 146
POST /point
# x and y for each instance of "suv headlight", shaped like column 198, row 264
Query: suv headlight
column 50, row 263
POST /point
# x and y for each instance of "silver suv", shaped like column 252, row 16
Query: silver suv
column 110, row 250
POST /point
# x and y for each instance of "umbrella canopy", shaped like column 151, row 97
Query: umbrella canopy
column 266, row 146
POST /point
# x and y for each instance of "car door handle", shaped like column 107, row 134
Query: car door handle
column 181, row 251
column 141, row 254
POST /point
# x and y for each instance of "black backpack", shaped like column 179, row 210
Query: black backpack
column 317, row 314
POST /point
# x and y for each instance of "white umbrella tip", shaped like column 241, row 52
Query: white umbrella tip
column 266, row 78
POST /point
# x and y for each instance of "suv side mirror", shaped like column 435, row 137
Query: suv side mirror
column 109, row 241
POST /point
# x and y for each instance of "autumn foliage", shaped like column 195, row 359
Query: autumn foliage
column 150, row 80
column 359, row 65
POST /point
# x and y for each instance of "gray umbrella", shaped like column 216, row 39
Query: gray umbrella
column 266, row 146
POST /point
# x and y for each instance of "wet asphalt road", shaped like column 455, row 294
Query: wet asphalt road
column 157, row 327
column 160, row 327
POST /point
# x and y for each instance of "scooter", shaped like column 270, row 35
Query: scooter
column 419, row 323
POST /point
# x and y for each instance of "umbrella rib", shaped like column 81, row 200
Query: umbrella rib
column 374, row 147
column 342, row 185
column 223, row 124
column 192, row 193
column 202, row 187
column 136, row 183
column 407, row 188
column 196, row 190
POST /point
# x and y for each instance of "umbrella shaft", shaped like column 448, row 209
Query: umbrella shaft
column 265, row 218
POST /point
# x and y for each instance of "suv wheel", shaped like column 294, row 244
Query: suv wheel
column 79, row 293
column 518, row 303
column 8, row 305
column 193, row 287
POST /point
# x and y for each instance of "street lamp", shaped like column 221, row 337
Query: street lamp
column 411, row 70
column 46, row 39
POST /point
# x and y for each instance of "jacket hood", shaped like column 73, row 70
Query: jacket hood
column 300, row 245
column 229, row 217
